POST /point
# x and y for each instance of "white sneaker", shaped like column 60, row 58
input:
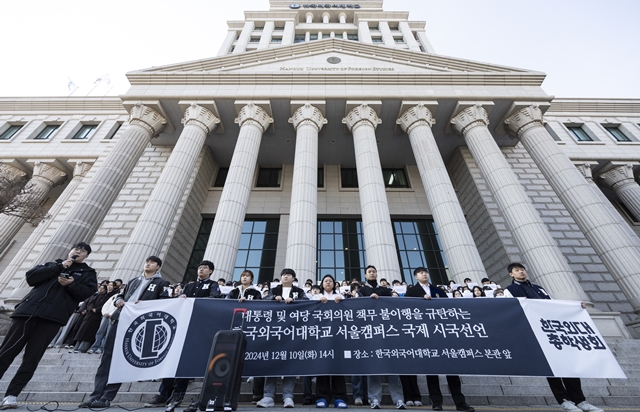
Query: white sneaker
column 409, row 403
column 358, row 402
column 375, row 404
column 288, row 403
column 569, row 406
column 587, row 407
column 265, row 402
column 9, row 402
column 401, row 405
column 416, row 403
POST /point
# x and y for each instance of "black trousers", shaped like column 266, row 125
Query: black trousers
column 566, row 388
column 455, row 387
column 331, row 388
column 410, row 388
column 32, row 334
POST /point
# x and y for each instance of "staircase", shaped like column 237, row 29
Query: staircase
column 68, row 377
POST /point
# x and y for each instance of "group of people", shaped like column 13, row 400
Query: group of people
column 59, row 287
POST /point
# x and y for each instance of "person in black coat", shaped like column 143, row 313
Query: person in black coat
column 148, row 286
column 244, row 291
column 204, row 286
column 426, row 291
column 58, row 288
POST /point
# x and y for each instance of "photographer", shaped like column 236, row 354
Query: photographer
column 58, row 287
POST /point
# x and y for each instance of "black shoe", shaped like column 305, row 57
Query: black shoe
column 437, row 407
column 100, row 403
column 175, row 399
column 193, row 407
column 465, row 407
column 156, row 402
column 87, row 403
column 307, row 401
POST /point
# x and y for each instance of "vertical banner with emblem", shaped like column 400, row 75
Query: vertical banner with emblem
column 150, row 339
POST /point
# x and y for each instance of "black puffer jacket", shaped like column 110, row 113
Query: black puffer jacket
column 49, row 299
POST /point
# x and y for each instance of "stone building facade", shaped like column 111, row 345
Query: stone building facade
column 326, row 138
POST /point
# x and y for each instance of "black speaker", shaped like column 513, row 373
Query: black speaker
column 221, row 385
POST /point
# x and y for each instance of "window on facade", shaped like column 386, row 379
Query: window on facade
column 376, row 28
column 278, row 28
column 321, row 177
column 341, row 251
column 627, row 212
column 377, row 40
column 256, row 251
column 254, row 40
column 276, row 40
column 313, row 36
column 258, row 28
column 418, row 245
column 221, row 178
column 10, row 132
column 395, row 178
column 47, row 132
column 269, row 177
column 115, row 131
column 299, row 38
column 398, row 39
column 326, row 36
column 348, row 177
column 352, row 37
column 617, row 134
column 579, row 134
column 85, row 131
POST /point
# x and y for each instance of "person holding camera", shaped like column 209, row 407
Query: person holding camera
column 57, row 288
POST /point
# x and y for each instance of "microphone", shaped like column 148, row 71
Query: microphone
column 65, row 271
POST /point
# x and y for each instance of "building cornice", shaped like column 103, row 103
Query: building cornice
column 596, row 107
column 76, row 105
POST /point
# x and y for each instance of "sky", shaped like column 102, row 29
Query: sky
column 587, row 48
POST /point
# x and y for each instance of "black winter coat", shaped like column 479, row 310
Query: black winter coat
column 49, row 299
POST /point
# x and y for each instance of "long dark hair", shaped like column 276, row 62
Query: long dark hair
column 332, row 279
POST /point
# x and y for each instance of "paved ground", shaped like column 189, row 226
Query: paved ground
column 66, row 407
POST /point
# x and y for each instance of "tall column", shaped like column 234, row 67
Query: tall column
column 267, row 32
column 44, row 178
column 289, row 33
column 387, row 37
column 19, row 291
column 243, row 39
column 407, row 34
column 155, row 222
column 86, row 215
column 303, row 214
column 222, row 246
column 376, row 220
column 540, row 251
column 620, row 179
column 458, row 244
column 619, row 252
column 227, row 43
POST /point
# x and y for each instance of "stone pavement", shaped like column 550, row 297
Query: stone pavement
column 247, row 407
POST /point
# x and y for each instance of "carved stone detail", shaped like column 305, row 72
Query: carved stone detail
column 308, row 115
column 361, row 114
column 470, row 117
column 148, row 118
column 50, row 175
column 618, row 177
column 254, row 114
column 80, row 169
column 585, row 170
column 523, row 120
column 415, row 116
column 201, row 117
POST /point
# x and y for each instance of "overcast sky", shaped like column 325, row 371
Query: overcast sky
column 587, row 48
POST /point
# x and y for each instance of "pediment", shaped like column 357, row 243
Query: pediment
column 332, row 56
